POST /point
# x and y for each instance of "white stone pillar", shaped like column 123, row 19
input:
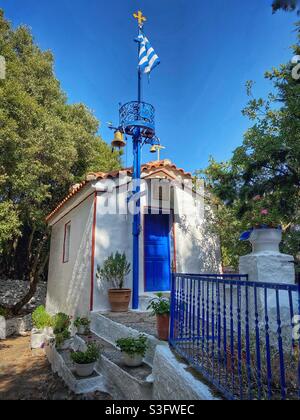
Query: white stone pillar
column 266, row 263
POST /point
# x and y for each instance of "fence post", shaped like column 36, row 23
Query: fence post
column 173, row 304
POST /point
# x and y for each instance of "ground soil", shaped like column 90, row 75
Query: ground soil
column 27, row 375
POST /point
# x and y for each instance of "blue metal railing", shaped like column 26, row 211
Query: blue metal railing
column 241, row 336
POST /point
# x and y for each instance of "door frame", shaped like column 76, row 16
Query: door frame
column 172, row 227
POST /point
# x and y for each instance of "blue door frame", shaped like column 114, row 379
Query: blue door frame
column 157, row 252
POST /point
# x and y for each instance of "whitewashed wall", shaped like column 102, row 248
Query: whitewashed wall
column 69, row 284
column 197, row 248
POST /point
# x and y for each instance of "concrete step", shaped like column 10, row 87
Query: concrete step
column 110, row 330
column 123, row 382
column 62, row 364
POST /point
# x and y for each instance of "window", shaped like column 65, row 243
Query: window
column 67, row 242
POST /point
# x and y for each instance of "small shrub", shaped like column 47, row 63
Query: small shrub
column 82, row 322
column 61, row 325
column 41, row 319
column 91, row 355
column 61, row 337
column 3, row 312
column 160, row 305
column 61, row 322
column 133, row 346
column 114, row 270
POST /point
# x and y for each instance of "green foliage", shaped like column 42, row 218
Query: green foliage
column 114, row 270
column 3, row 312
column 133, row 346
column 82, row 322
column 91, row 355
column 61, row 337
column 61, row 322
column 61, row 325
column 266, row 165
column 286, row 5
column 46, row 145
column 41, row 319
column 160, row 305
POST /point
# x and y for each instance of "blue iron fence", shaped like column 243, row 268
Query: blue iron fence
column 242, row 336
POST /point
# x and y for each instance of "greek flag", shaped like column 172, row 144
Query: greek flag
column 148, row 58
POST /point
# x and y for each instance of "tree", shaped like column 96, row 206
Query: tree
column 46, row 145
column 266, row 168
column 286, row 5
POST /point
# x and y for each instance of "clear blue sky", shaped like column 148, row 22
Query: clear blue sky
column 208, row 50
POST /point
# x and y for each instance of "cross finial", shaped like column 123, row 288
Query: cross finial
column 141, row 19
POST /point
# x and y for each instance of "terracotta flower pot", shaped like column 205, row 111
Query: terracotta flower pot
column 163, row 327
column 119, row 299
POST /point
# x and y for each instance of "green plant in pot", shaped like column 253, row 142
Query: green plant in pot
column 113, row 271
column 61, row 325
column 85, row 361
column 133, row 349
column 161, row 308
column 42, row 327
column 41, row 320
column 82, row 325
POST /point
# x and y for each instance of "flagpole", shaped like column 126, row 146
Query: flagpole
column 136, row 229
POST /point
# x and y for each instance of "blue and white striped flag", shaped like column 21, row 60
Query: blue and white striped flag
column 148, row 58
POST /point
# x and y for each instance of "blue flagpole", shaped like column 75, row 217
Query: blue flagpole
column 136, row 190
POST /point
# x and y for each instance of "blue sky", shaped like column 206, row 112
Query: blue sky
column 208, row 50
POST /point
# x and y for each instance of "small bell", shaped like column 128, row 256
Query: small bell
column 153, row 149
column 118, row 141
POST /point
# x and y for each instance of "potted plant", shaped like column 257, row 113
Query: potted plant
column 265, row 234
column 42, row 327
column 61, row 323
column 114, row 270
column 133, row 349
column 82, row 325
column 85, row 361
column 161, row 308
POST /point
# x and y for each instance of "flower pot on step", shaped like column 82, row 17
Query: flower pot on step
column 163, row 327
column 135, row 360
column 119, row 299
column 83, row 330
column 84, row 371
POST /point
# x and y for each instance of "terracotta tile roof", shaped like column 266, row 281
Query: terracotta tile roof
column 95, row 176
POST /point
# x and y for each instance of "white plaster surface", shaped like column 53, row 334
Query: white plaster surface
column 172, row 380
column 2, row 328
column 14, row 326
column 69, row 284
column 82, row 386
column 111, row 331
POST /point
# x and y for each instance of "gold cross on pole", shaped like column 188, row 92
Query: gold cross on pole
column 141, row 19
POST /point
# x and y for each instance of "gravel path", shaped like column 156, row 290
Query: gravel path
column 26, row 375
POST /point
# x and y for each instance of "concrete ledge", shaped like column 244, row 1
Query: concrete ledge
column 82, row 386
column 111, row 331
column 14, row 326
column 173, row 381
column 121, row 385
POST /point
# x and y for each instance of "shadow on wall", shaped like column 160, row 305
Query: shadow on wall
column 111, row 239
column 202, row 245
column 72, row 297
column 77, row 301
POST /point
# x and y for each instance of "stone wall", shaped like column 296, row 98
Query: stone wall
column 11, row 291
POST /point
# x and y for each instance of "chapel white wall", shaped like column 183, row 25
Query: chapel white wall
column 197, row 247
column 69, row 284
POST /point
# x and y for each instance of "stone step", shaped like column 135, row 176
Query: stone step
column 62, row 365
column 106, row 327
column 123, row 382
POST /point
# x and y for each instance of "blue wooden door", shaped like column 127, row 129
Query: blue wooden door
column 157, row 253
